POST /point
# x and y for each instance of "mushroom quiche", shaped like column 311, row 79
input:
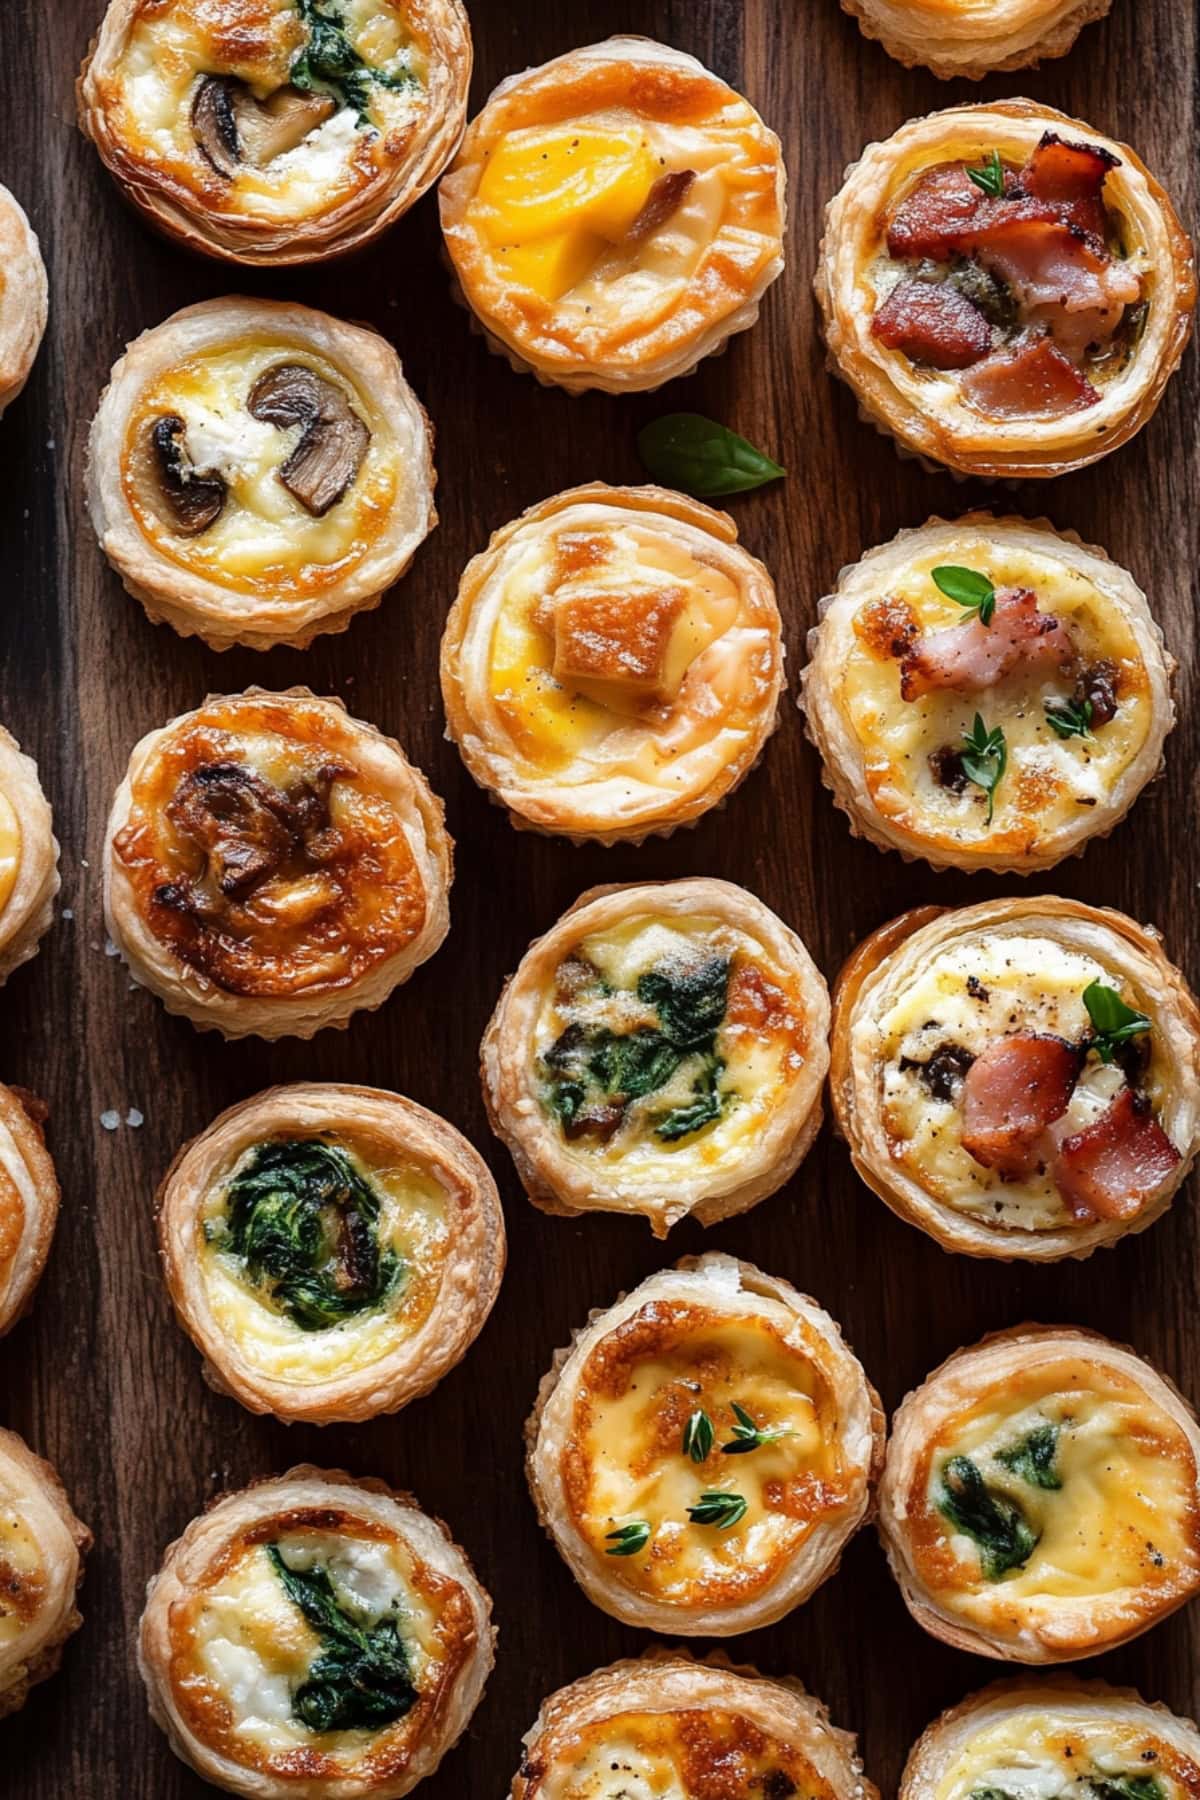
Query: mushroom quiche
column 29, row 1198
column 273, row 865
column 276, row 131
column 667, row 1725
column 987, row 693
column 614, row 216
column 1020, row 1079
column 661, row 1050
column 314, row 1635
column 259, row 472
column 612, row 664
column 1006, row 291
column 24, row 298
column 1041, row 1497
column 42, row 1550
column 705, row 1450
column 332, row 1250
column 29, row 878
column 960, row 38
column 1058, row 1738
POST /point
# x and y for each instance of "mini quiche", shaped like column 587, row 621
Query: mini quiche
column 1041, row 1497
column 987, row 694
column 614, row 216
column 1019, row 1079
column 965, row 40
column 29, row 1198
column 331, row 1250
column 1005, row 291
column 661, row 1050
column 24, row 298
column 273, row 865
column 258, row 472
column 29, row 879
column 42, row 1551
column 315, row 1635
column 612, row 665
column 704, row 1451
column 1056, row 1738
column 668, row 1726
column 276, row 131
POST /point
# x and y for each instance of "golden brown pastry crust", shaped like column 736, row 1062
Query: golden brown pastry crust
column 24, row 298
column 451, row 1281
column 1064, row 1622
column 27, row 910
column 316, row 921
column 777, row 997
column 923, row 410
column 183, row 195
column 29, row 1198
column 389, row 501
column 883, row 802
column 695, row 303
column 898, row 954
column 199, row 1719
column 962, row 42
column 668, row 755
column 733, row 1725
column 826, row 1502
column 41, row 1563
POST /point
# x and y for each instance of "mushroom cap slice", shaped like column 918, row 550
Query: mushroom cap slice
column 215, row 125
column 193, row 501
column 330, row 452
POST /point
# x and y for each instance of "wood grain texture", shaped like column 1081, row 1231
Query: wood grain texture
column 100, row 1379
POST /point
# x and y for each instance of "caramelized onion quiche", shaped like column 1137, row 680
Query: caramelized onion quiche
column 966, row 40
column 273, row 865
column 612, row 665
column 332, row 1250
column 29, row 1198
column 29, row 878
column 315, row 1636
column 1020, row 1079
column 24, row 298
column 259, row 472
column 976, row 633
column 705, row 1450
column 661, row 1050
column 668, row 1726
column 42, row 1550
column 1006, row 291
column 276, row 131
column 614, row 216
column 1041, row 1497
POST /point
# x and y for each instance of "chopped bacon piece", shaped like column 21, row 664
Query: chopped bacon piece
column 1033, row 380
column 1072, row 177
column 930, row 221
column 973, row 656
column 1018, row 1087
column 933, row 324
column 1056, row 274
column 1112, row 1167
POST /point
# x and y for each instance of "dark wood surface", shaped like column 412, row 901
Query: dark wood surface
column 100, row 1379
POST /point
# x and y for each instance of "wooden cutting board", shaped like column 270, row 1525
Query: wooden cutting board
column 100, row 1379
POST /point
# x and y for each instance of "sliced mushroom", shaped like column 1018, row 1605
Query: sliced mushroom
column 233, row 129
column 329, row 455
column 193, row 501
column 214, row 124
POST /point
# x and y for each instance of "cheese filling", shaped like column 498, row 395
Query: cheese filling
column 1035, row 1754
column 674, row 1756
column 18, row 1204
column 24, row 1582
column 10, row 849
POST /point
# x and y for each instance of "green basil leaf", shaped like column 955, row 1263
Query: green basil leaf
column 967, row 586
column 688, row 451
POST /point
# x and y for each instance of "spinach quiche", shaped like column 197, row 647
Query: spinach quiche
column 29, row 1201
column 959, row 39
column 29, row 878
column 24, row 298
column 42, row 1551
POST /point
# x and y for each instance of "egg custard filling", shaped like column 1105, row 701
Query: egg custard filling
column 10, row 849
column 25, row 1585
column 688, row 1754
column 1040, row 1754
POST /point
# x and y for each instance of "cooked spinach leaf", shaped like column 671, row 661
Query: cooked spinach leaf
column 702, row 1110
column 329, row 63
column 996, row 1523
column 361, row 1679
column 1124, row 1787
column 1033, row 1458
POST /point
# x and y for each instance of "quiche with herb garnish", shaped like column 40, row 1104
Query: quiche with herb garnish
column 42, row 1551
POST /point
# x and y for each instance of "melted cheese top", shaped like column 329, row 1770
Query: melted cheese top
column 969, row 994
column 264, row 542
column 10, row 849
column 24, row 1581
column 1035, row 1753
column 1051, row 784
column 685, row 1755
column 625, row 1459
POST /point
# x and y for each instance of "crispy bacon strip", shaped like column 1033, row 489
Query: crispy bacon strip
column 933, row 219
column 1017, row 1088
column 1071, row 177
column 1112, row 1167
column 934, row 324
column 968, row 657
column 1032, row 380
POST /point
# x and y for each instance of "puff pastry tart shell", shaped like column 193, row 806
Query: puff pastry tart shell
column 259, row 472
column 1054, row 1734
column 614, row 216
column 666, row 1724
column 29, row 877
column 1022, row 327
column 661, row 1050
column 705, row 1450
column 42, row 1550
column 24, row 298
column 397, row 1249
column 978, row 1082
column 1041, row 1497
column 29, row 1199
column 278, row 133
column 273, row 865
column 959, row 38
column 1069, row 666
column 612, row 664
column 314, row 1637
